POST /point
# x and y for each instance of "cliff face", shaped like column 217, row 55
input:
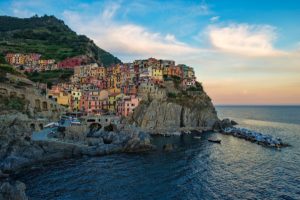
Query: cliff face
column 18, row 150
column 178, row 110
column 19, row 94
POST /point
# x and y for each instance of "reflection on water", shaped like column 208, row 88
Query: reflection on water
column 196, row 169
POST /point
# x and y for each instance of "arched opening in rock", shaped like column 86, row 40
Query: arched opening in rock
column 13, row 94
column 32, row 127
column 45, row 106
column 90, row 120
column 95, row 127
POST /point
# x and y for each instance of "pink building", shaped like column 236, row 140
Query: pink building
column 92, row 103
column 126, row 105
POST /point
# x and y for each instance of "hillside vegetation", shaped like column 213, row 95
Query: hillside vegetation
column 50, row 37
column 50, row 77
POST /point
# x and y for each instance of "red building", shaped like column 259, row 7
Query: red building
column 71, row 63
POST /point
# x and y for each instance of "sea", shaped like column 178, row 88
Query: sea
column 195, row 169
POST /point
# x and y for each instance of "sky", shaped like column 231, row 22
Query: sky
column 243, row 51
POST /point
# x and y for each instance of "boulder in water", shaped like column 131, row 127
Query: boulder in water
column 168, row 147
column 13, row 190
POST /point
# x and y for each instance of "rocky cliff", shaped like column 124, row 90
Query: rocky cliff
column 18, row 150
column 12, row 190
column 177, row 110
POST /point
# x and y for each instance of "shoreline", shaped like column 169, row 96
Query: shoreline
column 30, row 154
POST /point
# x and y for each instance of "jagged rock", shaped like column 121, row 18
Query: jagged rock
column 168, row 113
column 12, row 190
column 17, row 152
column 225, row 123
column 234, row 123
column 3, row 175
column 169, row 116
column 254, row 136
column 168, row 147
column 94, row 141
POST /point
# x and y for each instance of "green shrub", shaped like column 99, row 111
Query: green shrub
column 49, row 37
column 50, row 76
column 193, row 89
column 172, row 95
column 12, row 103
column 199, row 86
column 8, row 69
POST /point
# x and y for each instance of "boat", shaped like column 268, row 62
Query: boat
column 187, row 132
column 75, row 121
column 51, row 125
column 214, row 141
column 197, row 137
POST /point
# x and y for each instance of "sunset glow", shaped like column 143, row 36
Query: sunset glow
column 241, row 52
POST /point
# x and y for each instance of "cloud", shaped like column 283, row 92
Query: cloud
column 110, row 11
column 237, row 63
column 22, row 13
column 214, row 19
column 128, row 40
column 245, row 39
column 28, row 8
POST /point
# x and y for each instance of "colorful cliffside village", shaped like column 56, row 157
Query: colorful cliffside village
column 98, row 90
column 33, row 62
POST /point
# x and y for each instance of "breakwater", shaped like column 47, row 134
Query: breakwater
column 253, row 136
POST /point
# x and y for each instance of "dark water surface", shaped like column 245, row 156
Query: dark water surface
column 196, row 169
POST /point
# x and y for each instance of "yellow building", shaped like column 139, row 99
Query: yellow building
column 112, row 99
column 117, row 80
column 114, row 90
column 165, row 70
column 64, row 99
column 83, row 79
column 116, row 69
column 76, row 95
column 102, row 72
column 21, row 59
column 157, row 73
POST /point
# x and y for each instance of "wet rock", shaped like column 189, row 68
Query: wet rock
column 17, row 151
column 234, row 123
column 225, row 123
column 168, row 147
column 254, row 136
column 3, row 175
column 94, row 141
column 12, row 190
